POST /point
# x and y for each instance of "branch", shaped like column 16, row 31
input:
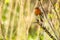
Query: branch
column 55, row 11
column 44, row 28
column 51, row 25
column 51, row 36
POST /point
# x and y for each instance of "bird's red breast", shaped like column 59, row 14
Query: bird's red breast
column 37, row 11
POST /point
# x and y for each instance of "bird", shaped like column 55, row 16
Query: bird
column 38, row 12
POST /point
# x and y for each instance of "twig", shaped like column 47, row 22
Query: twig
column 55, row 11
column 44, row 28
column 51, row 36
column 44, row 13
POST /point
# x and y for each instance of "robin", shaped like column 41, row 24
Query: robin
column 38, row 12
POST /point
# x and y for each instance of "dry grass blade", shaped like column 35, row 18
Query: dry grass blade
column 13, row 19
column 8, row 17
column 44, row 13
column 21, row 22
column 1, row 7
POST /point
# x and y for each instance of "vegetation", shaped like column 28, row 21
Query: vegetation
column 19, row 22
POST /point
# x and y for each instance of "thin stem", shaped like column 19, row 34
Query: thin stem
column 51, row 36
column 44, row 28
column 55, row 10
column 44, row 13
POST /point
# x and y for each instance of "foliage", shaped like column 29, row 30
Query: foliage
column 16, row 17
